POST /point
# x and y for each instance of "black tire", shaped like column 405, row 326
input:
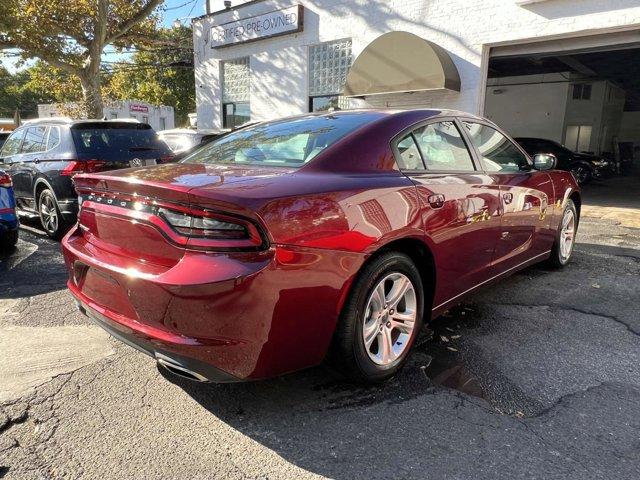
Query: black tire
column 9, row 239
column 582, row 173
column 51, row 219
column 348, row 349
column 558, row 258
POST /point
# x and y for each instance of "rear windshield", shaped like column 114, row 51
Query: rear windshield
column 287, row 143
column 118, row 141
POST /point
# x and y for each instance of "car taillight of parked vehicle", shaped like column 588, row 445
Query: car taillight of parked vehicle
column 5, row 180
column 185, row 226
column 166, row 159
column 84, row 166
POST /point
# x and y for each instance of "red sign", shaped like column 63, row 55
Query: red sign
column 134, row 107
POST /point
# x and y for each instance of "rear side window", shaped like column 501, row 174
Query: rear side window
column 117, row 141
column 35, row 140
column 54, row 138
column 12, row 145
column 443, row 148
column 497, row 152
column 410, row 158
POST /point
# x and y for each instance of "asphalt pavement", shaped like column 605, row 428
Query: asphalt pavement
column 534, row 377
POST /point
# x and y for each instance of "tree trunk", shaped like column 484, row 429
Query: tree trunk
column 92, row 95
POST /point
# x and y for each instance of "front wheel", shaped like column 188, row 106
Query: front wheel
column 381, row 319
column 565, row 237
column 50, row 216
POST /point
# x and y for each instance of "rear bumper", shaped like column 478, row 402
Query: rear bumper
column 132, row 338
column 228, row 317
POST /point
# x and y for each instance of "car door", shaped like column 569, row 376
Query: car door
column 460, row 204
column 527, row 196
column 24, row 169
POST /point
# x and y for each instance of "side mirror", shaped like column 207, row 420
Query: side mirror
column 544, row 161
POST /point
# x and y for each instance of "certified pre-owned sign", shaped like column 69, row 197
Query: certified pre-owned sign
column 280, row 22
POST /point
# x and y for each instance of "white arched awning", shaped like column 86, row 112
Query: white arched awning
column 401, row 62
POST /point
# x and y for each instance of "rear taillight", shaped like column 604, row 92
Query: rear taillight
column 5, row 180
column 83, row 166
column 166, row 159
column 205, row 226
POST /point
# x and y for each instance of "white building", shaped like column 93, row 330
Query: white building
column 160, row 117
column 570, row 68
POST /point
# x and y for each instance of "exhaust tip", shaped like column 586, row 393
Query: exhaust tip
column 179, row 370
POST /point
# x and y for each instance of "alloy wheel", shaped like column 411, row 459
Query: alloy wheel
column 390, row 317
column 49, row 214
column 567, row 233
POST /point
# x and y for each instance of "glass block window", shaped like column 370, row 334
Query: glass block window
column 329, row 63
column 235, row 80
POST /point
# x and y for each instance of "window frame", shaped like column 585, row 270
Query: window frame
column 477, row 155
column 475, row 161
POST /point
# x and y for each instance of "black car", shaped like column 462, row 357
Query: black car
column 584, row 167
column 42, row 156
column 3, row 137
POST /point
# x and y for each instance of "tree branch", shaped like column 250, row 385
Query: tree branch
column 127, row 25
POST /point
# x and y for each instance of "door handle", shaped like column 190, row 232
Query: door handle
column 36, row 160
column 436, row 200
column 508, row 197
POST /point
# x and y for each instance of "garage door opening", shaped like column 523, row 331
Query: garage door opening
column 580, row 101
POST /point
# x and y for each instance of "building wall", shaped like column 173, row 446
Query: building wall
column 120, row 110
column 529, row 105
column 462, row 27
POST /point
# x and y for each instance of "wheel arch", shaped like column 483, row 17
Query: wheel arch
column 38, row 186
column 421, row 255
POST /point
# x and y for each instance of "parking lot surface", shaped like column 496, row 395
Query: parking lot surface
column 534, row 377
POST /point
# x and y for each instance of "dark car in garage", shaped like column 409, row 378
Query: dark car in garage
column 341, row 233
column 583, row 166
column 42, row 157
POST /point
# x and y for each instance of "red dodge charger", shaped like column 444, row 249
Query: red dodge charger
column 339, row 233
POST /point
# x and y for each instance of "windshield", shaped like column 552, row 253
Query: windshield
column 118, row 141
column 287, row 143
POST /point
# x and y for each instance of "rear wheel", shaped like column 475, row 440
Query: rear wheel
column 381, row 319
column 565, row 237
column 50, row 217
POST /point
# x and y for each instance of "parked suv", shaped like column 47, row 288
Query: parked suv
column 583, row 166
column 42, row 156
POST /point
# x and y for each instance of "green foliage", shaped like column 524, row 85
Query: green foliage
column 71, row 34
column 17, row 92
column 162, row 75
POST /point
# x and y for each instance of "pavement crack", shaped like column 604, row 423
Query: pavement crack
column 613, row 318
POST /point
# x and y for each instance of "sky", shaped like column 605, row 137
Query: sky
column 181, row 10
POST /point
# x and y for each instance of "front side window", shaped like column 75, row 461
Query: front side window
column 497, row 152
column 236, row 82
column 12, row 145
column 34, row 140
column 288, row 143
column 443, row 148
column 329, row 64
